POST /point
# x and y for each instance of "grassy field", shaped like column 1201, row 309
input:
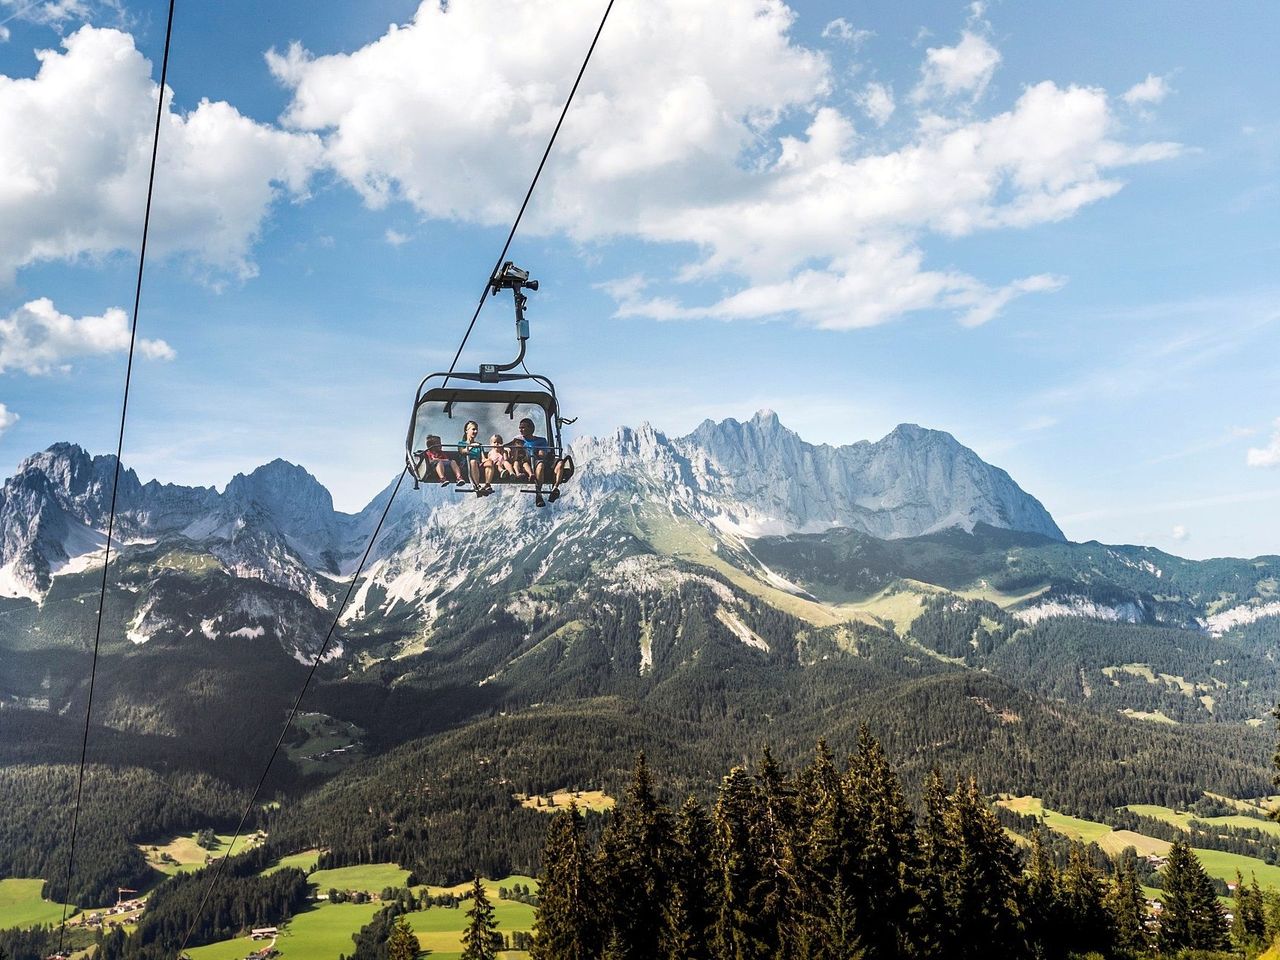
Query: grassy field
column 1182, row 819
column 324, row 931
column 320, row 933
column 21, row 906
column 490, row 886
column 1215, row 862
column 596, row 801
column 184, row 854
column 439, row 929
column 304, row 861
column 371, row 878
column 1086, row 831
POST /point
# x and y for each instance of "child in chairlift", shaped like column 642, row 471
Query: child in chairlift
column 496, row 464
column 518, row 455
column 441, row 463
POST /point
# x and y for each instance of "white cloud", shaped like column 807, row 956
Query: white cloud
column 1149, row 92
column 396, row 238
column 37, row 339
column 75, row 143
column 842, row 29
column 677, row 137
column 876, row 101
column 4, row 33
column 1268, row 456
column 960, row 71
column 7, row 418
column 59, row 13
column 1179, row 532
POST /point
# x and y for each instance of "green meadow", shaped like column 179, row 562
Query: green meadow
column 21, row 905
column 324, row 931
column 1216, row 862
column 304, row 861
column 320, row 933
column 440, row 928
column 371, row 878
column 1182, row 819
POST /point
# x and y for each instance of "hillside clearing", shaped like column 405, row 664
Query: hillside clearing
column 596, row 801
column 184, row 854
column 22, row 906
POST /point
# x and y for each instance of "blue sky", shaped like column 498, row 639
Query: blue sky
column 1048, row 230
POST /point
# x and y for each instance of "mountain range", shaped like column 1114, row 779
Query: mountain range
column 687, row 595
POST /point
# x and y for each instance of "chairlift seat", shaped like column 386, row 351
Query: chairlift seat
column 446, row 401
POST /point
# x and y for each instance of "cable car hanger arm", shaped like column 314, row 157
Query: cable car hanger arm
column 510, row 277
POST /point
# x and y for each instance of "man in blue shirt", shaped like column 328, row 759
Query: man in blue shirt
column 539, row 457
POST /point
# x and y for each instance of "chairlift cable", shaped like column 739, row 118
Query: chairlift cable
column 115, row 480
column 529, row 193
column 315, row 664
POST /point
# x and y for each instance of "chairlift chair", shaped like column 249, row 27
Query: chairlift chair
column 490, row 396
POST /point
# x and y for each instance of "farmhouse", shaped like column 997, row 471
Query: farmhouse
column 264, row 933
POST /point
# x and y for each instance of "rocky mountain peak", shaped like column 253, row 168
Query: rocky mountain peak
column 285, row 490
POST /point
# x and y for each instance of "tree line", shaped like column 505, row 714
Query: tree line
column 832, row 863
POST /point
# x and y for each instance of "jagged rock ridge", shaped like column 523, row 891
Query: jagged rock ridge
column 278, row 523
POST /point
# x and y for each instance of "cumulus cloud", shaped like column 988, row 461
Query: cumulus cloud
column 842, row 29
column 683, row 133
column 876, row 101
column 960, row 71
column 396, row 238
column 1268, row 456
column 75, row 143
column 7, row 418
column 1149, row 92
column 37, row 339
column 1179, row 532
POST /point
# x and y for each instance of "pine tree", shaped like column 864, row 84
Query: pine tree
column 402, row 944
column 1043, row 908
column 480, row 940
column 567, row 918
column 825, row 914
column 692, row 909
column 1192, row 918
column 1128, row 908
column 636, row 862
column 743, row 931
column 773, row 833
column 1088, row 928
column 1248, row 923
column 880, row 852
column 974, row 875
column 933, row 926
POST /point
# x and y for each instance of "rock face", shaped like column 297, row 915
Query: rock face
column 278, row 523
column 761, row 478
column 758, row 478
